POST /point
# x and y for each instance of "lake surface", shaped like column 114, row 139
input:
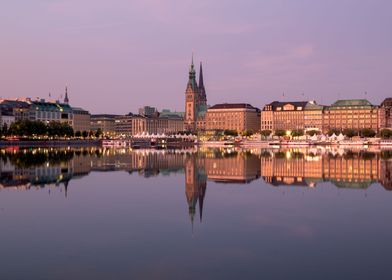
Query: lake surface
column 195, row 214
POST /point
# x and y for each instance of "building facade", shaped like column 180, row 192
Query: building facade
column 161, row 124
column 283, row 116
column 236, row 116
column 81, row 119
column 350, row 114
column 195, row 101
column 123, row 125
column 104, row 122
column 385, row 114
column 50, row 111
column 313, row 116
column 147, row 111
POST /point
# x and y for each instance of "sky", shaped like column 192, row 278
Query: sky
column 116, row 56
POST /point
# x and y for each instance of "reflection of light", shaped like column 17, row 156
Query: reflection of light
column 288, row 155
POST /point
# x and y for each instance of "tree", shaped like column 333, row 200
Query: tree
column 297, row 133
column 247, row 132
column 313, row 132
column 367, row 132
column 58, row 129
column 332, row 131
column 84, row 134
column 230, row 132
column 4, row 130
column 280, row 132
column 386, row 133
column 349, row 132
column 78, row 134
column 266, row 133
column 98, row 133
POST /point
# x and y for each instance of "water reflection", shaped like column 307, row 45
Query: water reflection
column 122, row 214
column 39, row 168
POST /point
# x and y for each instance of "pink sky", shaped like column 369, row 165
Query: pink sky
column 116, row 56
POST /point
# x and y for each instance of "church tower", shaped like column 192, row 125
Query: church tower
column 191, row 100
column 195, row 101
column 202, row 90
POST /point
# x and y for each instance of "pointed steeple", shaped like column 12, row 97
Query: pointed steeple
column 66, row 100
column 202, row 90
column 201, row 83
column 192, row 76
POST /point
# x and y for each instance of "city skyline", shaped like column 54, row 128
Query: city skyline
column 251, row 52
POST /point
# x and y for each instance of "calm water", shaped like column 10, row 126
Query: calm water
column 206, row 214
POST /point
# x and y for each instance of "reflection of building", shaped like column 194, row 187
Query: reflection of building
column 291, row 169
column 386, row 174
column 236, row 168
column 352, row 170
column 239, row 117
column 195, row 186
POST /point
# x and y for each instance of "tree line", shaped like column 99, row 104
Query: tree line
column 28, row 129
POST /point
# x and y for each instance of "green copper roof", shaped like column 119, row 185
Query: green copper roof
column 352, row 102
column 313, row 106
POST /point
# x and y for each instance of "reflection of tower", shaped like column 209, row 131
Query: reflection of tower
column 195, row 187
column 66, row 188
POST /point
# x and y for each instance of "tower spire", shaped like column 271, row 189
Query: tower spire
column 192, row 76
column 201, row 82
column 66, row 99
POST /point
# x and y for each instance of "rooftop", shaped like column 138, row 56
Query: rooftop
column 233, row 106
column 297, row 104
column 351, row 102
column 108, row 116
column 49, row 106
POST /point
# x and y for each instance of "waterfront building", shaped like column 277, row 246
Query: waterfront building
column 46, row 112
column 313, row 116
column 160, row 123
column 170, row 123
column 81, row 119
column 195, row 101
column 385, row 114
column 123, row 125
column 350, row 114
column 283, row 116
column 6, row 117
column 233, row 116
column 20, row 108
column 104, row 122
